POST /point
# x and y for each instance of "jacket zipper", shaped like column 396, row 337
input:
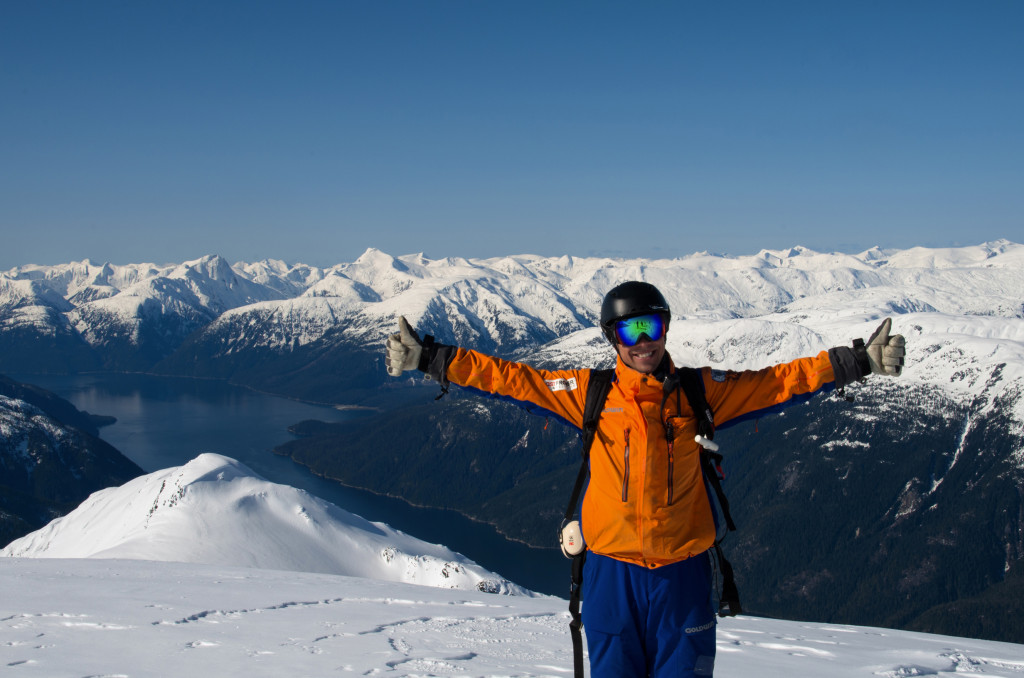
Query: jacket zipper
column 671, row 462
column 625, row 471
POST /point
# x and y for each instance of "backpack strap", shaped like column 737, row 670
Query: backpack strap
column 729, row 598
column 691, row 383
column 693, row 386
column 597, row 392
column 711, row 465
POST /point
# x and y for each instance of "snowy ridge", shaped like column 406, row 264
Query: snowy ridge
column 206, row 285
column 123, row 618
column 525, row 300
column 215, row 510
column 121, row 295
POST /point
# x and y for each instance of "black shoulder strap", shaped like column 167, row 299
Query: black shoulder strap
column 597, row 392
column 693, row 386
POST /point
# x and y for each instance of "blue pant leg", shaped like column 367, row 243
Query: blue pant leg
column 681, row 620
column 649, row 622
column 614, row 613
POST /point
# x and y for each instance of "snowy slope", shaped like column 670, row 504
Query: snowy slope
column 216, row 510
column 147, row 619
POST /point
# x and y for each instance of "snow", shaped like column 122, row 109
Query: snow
column 216, row 510
column 144, row 618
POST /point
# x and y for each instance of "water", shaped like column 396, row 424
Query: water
column 165, row 421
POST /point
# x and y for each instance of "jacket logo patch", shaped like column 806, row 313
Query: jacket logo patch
column 561, row 384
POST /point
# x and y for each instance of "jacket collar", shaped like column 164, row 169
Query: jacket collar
column 631, row 380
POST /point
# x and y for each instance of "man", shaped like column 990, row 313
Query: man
column 646, row 517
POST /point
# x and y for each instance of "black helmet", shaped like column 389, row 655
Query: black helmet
column 627, row 300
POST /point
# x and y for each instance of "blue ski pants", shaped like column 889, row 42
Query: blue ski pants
column 648, row 622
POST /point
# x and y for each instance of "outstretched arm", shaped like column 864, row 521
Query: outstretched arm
column 735, row 396
column 558, row 393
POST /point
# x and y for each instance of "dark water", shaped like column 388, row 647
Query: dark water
column 164, row 422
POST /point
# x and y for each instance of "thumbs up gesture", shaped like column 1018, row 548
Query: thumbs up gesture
column 885, row 352
column 403, row 349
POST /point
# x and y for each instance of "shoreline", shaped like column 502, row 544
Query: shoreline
column 344, row 407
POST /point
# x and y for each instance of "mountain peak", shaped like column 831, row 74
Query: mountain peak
column 212, row 266
column 372, row 254
column 216, row 510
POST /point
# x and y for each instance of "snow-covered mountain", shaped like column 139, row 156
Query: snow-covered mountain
column 209, row 283
column 130, row 316
column 217, row 511
column 131, row 618
column 265, row 323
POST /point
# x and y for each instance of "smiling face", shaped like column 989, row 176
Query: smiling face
column 644, row 356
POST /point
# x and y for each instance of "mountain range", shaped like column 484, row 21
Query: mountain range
column 315, row 333
column 903, row 508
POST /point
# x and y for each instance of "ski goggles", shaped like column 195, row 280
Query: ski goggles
column 630, row 330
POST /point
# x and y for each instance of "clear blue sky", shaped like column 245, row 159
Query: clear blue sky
column 135, row 131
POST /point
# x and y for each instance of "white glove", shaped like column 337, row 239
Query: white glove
column 403, row 349
column 886, row 353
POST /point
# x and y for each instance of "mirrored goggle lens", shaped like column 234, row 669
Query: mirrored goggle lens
column 629, row 331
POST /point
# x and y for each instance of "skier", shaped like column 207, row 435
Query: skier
column 646, row 516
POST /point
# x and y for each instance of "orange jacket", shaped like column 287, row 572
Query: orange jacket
column 646, row 502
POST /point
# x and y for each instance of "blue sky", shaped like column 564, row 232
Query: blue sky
column 135, row 131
